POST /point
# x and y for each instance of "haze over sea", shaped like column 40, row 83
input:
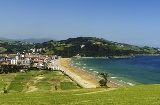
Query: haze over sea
column 125, row 71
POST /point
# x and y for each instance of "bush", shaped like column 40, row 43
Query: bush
column 5, row 90
column 103, row 82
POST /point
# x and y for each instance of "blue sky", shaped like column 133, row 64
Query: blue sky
column 128, row 21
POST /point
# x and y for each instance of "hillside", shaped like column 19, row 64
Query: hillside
column 35, row 40
column 37, row 87
column 29, row 40
column 93, row 47
column 80, row 46
column 13, row 47
column 137, row 95
column 35, row 81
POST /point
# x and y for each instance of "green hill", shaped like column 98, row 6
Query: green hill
column 13, row 47
column 35, row 80
column 92, row 47
column 81, row 46
column 38, row 88
column 137, row 95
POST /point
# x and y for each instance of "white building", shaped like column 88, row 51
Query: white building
column 13, row 61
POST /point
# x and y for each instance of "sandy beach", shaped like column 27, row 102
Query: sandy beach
column 82, row 78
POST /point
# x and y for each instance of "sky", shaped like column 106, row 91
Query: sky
column 135, row 22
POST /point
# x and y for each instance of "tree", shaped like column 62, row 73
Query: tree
column 104, row 80
column 44, row 65
column 5, row 90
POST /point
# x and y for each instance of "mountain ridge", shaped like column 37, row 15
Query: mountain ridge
column 93, row 47
column 80, row 46
column 32, row 40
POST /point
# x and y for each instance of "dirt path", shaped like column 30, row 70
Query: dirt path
column 105, row 90
column 31, row 87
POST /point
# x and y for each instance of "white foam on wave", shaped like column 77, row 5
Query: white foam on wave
column 84, row 67
column 114, row 77
column 130, row 84
column 122, row 81
column 78, row 64
column 96, row 72
column 90, row 69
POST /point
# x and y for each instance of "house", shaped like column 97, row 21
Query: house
column 5, row 63
column 38, row 64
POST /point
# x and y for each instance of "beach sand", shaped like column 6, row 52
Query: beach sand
column 82, row 78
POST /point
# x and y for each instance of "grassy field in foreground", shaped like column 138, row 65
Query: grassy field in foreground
column 137, row 95
column 38, row 88
column 36, row 80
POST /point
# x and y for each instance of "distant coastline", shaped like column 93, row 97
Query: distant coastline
column 118, row 56
column 147, row 55
column 106, row 57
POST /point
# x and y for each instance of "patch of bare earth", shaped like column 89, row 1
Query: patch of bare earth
column 32, row 87
column 97, row 91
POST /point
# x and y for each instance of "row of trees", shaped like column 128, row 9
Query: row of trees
column 13, row 68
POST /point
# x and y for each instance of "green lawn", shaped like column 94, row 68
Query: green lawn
column 137, row 95
column 2, row 49
column 35, row 80
column 38, row 88
column 49, row 52
column 60, row 48
column 5, row 80
column 67, row 85
column 2, row 85
column 17, row 84
column 43, row 86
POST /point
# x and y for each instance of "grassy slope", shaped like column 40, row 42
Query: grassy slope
column 44, row 82
column 39, row 80
column 139, row 95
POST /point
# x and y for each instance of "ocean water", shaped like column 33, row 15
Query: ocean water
column 125, row 71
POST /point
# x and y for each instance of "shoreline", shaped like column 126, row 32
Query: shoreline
column 82, row 78
column 107, row 57
column 112, row 81
column 118, row 57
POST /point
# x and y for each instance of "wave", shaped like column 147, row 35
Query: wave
column 114, row 77
column 126, row 83
column 119, row 74
column 130, row 84
column 78, row 64
column 96, row 72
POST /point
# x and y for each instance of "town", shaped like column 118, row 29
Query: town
column 23, row 62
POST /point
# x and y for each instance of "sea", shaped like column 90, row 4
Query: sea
column 123, row 71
